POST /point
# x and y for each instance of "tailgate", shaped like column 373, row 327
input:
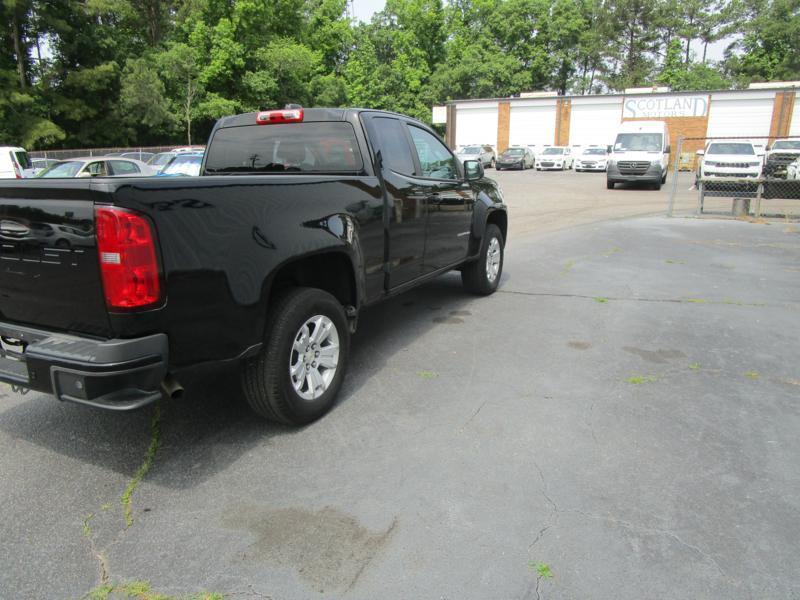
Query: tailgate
column 49, row 274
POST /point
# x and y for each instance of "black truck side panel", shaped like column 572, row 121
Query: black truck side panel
column 223, row 238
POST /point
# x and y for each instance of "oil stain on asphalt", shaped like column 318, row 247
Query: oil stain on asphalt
column 328, row 548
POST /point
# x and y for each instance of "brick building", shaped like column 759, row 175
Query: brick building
column 771, row 109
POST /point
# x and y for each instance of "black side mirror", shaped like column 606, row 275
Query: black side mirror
column 608, row 149
column 668, row 150
column 473, row 170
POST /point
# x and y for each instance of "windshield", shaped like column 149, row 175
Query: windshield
column 471, row 150
column 310, row 147
column 786, row 145
column 515, row 151
column 188, row 164
column 638, row 142
column 553, row 151
column 161, row 159
column 63, row 169
column 730, row 148
column 599, row 151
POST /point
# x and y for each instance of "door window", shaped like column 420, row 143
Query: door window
column 123, row 167
column 96, row 169
column 391, row 141
column 435, row 159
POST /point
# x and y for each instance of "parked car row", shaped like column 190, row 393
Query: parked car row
column 184, row 161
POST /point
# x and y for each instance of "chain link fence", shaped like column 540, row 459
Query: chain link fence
column 739, row 177
column 145, row 151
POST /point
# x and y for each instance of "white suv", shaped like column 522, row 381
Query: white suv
column 727, row 160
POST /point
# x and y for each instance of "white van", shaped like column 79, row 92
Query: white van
column 640, row 153
column 14, row 163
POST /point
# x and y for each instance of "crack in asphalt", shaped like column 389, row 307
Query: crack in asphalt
column 99, row 554
column 652, row 531
column 555, row 511
column 791, row 306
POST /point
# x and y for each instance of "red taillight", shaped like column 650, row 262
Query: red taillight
column 128, row 264
column 289, row 115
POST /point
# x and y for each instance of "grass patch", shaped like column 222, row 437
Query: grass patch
column 601, row 300
column 543, row 570
column 752, row 374
column 87, row 530
column 568, row 267
column 670, row 261
column 640, row 379
column 428, row 374
column 155, row 439
column 140, row 590
column 614, row 250
column 733, row 302
column 694, row 366
column 697, row 300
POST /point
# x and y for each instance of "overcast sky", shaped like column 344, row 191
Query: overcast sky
column 363, row 9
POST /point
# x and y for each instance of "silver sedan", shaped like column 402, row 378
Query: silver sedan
column 98, row 166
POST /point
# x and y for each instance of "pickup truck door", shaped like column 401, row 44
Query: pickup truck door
column 405, row 212
column 449, row 201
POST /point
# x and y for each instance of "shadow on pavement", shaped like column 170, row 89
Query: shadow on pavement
column 210, row 426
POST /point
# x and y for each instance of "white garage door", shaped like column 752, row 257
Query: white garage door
column 737, row 117
column 476, row 124
column 794, row 129
column 594, row 123
column 532, row 123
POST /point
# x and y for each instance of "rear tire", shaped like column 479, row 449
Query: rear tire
column 664, row 178
column 482, row 276
column 610, row 184
column 657, row 186
column 299, row 316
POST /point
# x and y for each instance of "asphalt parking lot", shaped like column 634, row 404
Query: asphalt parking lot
column 620, row 421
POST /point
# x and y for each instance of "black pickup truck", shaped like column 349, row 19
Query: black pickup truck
column 113, row 289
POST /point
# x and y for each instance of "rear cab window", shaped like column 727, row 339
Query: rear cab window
column 309, row 147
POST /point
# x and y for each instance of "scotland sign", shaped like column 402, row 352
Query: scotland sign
column 665, row 106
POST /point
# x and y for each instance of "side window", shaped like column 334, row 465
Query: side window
column 123, row 167
column 96, row 169
column 391, row 140
column 434, row 158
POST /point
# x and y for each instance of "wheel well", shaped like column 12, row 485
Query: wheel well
column 331, row 272
column 499, row 218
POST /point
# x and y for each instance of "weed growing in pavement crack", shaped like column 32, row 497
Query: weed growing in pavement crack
column 543, row 570
column 694, row 366
column 155, row 439
column 601, row 300
column 640, row 379
column 141, row 591
column 87, row 530
column 428, row 374
column 752, row 374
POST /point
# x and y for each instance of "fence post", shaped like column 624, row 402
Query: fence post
column 699, row 210
column 675, row 172
column 759, row 193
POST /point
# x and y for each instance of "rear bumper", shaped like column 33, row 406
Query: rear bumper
column 113, row 374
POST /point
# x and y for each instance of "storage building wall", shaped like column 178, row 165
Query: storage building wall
column 476, row 123
column 532, row 122
column 794, row 128
column 594, row 120
column 738, row 114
